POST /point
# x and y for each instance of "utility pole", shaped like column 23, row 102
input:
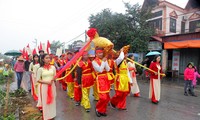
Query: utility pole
column 85, row 35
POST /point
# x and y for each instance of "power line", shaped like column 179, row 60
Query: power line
column 75, row 38
column 75, row 19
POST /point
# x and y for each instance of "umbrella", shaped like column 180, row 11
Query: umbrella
column 152, row 53
column 13, row 53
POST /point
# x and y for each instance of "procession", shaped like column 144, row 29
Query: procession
column 140, row 64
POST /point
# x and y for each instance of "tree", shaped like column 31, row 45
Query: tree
column 122, row 29
column 55, row 45
column 140, row 30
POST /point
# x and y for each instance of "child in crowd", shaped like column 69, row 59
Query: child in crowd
column 189, row 77
column 196, row 74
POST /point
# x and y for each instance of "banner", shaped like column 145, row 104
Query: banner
column 175, row 59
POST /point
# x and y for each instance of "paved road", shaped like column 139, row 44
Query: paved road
column 173, row 106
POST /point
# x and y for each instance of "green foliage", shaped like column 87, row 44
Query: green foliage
column 2, row 96
column 55, row 45
column 122, row 29
column 9, row 117
column 18, row 93
column 35, row 116
column 3, row 79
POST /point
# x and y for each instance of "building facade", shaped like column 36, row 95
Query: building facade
column 177, row 31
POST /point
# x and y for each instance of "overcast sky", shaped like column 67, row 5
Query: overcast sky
column 22, row 21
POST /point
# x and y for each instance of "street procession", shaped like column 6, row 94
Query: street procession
column 80, row 72
column 139, row 64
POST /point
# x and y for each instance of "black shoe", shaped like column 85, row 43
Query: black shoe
column 154, row 102
column 112, row 106
column 194, row 95
column 185, row 94
column 72, row 98
column 87, row 110
column 103, row 114
column 97, row 113
column 122, row 109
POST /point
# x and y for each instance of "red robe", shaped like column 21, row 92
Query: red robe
column 103, row 84
column 153, row 66
column 155, row 87
column 70, row 77
column 103, row 88
column 84, row 73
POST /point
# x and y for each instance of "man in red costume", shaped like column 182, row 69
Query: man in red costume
column 123, row 81
column 112, row 65
column 70, row 78
column 101, row 67
column 85, row 80
column 77, row 91
column 61, row 63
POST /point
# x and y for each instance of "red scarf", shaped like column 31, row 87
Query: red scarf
column 47, row 66
column 49, row 94
column 49, row 88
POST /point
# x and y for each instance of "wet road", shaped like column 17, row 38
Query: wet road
column 173, row 106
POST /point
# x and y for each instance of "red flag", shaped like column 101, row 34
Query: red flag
column 74, row 59
column 34, row 52
column 23, row 53
column 26, row 55
column 28, row 46
column 48, row 47
column 40, row 46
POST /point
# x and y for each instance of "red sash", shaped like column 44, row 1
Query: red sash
column 49, row 94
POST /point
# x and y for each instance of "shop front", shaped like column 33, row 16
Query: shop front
column 182, row 49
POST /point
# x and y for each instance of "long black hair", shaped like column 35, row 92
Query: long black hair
column 42, row 59
column 130, row 56
column 35, row 55
column 155, row 57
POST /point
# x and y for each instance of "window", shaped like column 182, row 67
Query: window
column 182, row 27
column 156, row 14
column 173, row 25
column 156, row 24
column 193, row 25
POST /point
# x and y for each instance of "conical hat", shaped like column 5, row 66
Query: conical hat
column 20, row 58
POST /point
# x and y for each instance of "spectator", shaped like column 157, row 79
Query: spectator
column 19, row 69
column 196, row 74
column 189, row 77
column 27, row 73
